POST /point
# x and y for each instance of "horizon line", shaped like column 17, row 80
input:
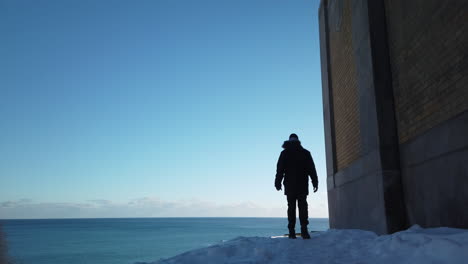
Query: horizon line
column 154, row 217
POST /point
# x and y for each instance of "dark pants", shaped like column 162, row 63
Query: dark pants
column 303, row 212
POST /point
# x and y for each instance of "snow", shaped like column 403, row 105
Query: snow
column 415, row 245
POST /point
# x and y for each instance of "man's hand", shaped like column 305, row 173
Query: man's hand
column 315, row 188
column 278, row 186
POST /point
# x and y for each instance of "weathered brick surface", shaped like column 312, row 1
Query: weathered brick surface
column 344, row 89
column 428, row 42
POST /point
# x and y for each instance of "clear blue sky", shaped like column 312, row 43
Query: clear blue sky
column 169, row 101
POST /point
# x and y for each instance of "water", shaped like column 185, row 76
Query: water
column 128, row 240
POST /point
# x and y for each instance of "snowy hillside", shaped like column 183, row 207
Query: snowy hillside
column 415, row 245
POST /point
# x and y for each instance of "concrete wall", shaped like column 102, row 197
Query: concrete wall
column 435, row 175
column 408, row 165
column 366, row 193
column 429, row 63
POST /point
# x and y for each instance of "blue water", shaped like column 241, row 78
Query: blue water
column 128, row 240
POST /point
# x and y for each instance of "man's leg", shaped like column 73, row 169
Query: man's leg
column 291, row 215
column 303, row 215
column 303, row 210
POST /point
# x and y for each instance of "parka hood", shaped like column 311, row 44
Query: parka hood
column 289, row 144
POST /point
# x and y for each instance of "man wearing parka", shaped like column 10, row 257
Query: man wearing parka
column 295, row 165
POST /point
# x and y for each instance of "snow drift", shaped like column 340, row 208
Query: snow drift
column 415, row 245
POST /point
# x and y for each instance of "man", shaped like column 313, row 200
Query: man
column 295, row 164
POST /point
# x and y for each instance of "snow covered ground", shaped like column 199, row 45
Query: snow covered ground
column 415, row 245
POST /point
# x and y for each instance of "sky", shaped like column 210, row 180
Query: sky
column 155, row 108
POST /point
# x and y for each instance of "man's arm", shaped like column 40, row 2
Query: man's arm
column 312, row 172
column 279, row 171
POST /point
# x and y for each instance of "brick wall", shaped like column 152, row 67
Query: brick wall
column 344, row 85
column 429, row 61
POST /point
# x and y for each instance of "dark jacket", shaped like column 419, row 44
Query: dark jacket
column 295, row 164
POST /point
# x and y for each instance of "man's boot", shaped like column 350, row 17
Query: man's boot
column 305, row 233
column 292, row 233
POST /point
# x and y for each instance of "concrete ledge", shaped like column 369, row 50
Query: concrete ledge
column 450, row 136
column 365, row 165
column 358, row 204
column 330, row 183
column 435, row 170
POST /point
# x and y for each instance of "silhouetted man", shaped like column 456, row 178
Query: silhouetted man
column 295, row 164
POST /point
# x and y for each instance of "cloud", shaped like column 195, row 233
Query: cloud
column 141, row 207
column 15, row 203
column 100, row 202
